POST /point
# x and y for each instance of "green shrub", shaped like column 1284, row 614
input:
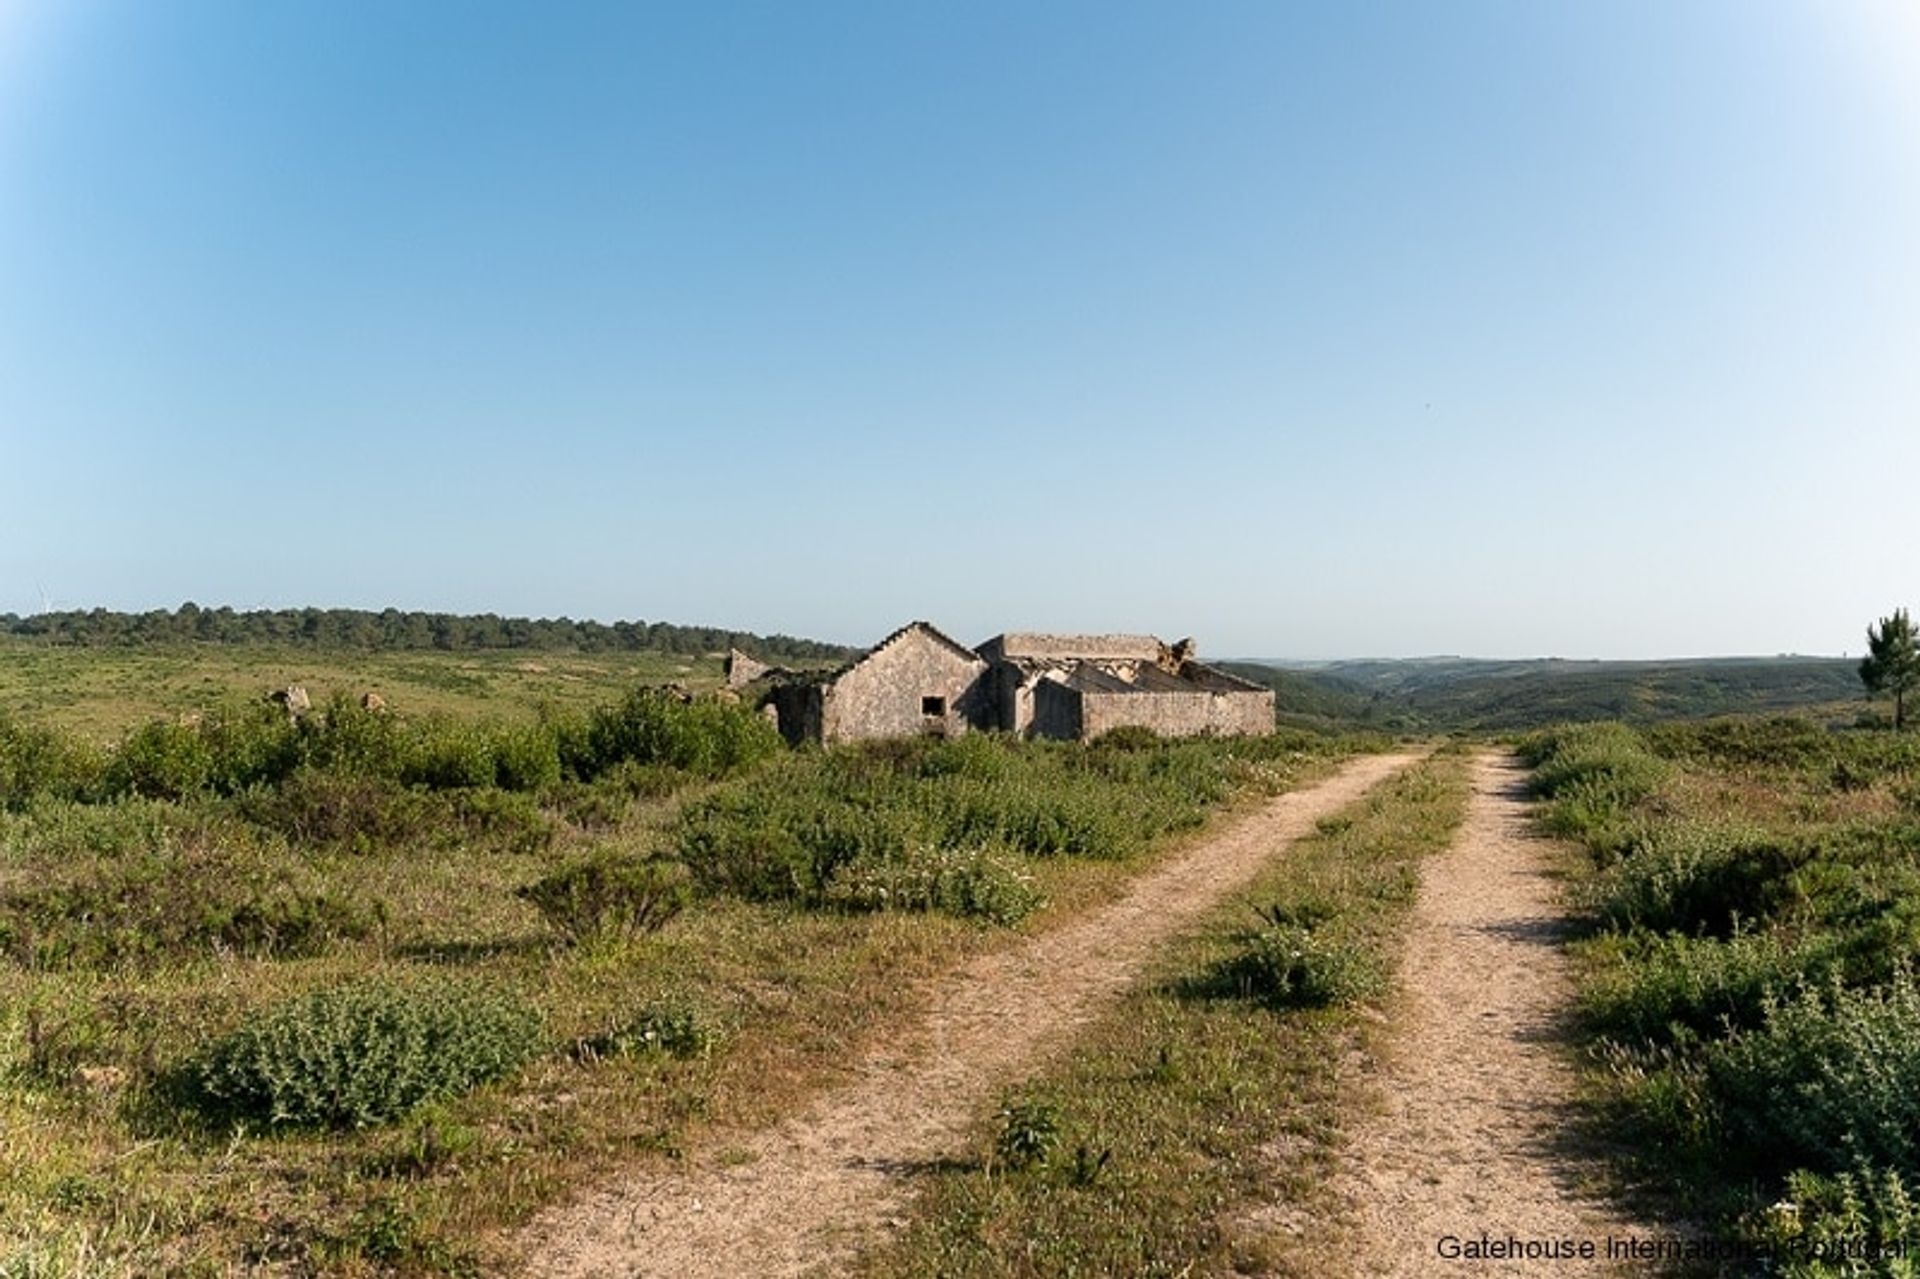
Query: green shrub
column 1594, row 777
column 973, row 882
column 161, row 760
column 509, row 821
column 1779, row 741
column 57, row 833
column 38, row 762
column 1664, row 987
column 978, row 755
column 526, row 758
column 250, row 745
column 1831, row 1078
column 1698, row 876
column 795, row 830
column 1851, row 1225
column 1128, row 737
column 783, row 839
column 349, row 738
column 451, row 756
column 364, row 1054
column 1029, row 1134
column 62, row 1031
column 611, row 893
column 1288, row 966
column 706, row 737
column 361, row 811
column 1057, row 824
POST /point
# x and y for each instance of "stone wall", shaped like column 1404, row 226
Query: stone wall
column 742, row 670
column 1055, row 710
column 1011, row 692
column 887, row 693
column 1138, row 648
column 1177, row 714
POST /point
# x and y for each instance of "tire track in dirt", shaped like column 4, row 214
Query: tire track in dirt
column 1474, row 1136
column 810, row 1186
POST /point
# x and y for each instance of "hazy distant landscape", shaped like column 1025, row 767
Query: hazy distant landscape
column 1448, row 693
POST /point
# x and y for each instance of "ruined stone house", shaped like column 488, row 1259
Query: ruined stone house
column 1075, row 687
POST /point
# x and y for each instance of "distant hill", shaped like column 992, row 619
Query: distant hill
column 1466, row 693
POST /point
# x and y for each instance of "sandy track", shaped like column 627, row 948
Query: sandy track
column 811, row 1186
column 1474, row 1135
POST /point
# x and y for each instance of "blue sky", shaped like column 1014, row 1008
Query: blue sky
column 1315, row 330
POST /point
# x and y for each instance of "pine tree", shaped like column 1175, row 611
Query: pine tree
column 1892, row 663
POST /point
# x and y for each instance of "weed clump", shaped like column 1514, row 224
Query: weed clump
column 671, row 1027
column 1029, row 1134
column 1865, row 1212
column 365, row 1054
column 978, row 883
column 1290, row 966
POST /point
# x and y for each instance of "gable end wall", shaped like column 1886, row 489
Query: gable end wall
column 881, row 697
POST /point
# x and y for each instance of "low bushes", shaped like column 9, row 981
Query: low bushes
column 162, row 760
column 1830, row 1079
column 939, row 822
column 706, row 737
column 1659, row 988
column 1291, row 966
column 360, row 811
column 1750, row 984
column 611, row 893
column 972, row 882
column 1593, row 775
column 361, row 1055
column 170, row 903
column 1697, row 877
column 38, row 762
column 1823, row 1227
column 243, row 749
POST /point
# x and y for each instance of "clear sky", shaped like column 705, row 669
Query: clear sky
column 1500, row 328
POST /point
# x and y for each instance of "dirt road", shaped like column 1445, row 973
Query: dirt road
column 1474, row 1139
column 807, row 1189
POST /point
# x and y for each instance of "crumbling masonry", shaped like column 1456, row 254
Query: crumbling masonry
column 1075, row 687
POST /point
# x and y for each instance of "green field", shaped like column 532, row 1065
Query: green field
column 103, row 691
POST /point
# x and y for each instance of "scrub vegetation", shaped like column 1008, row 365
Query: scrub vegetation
column 1749, row 988
column 1200, row 1118
column 351, row 993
